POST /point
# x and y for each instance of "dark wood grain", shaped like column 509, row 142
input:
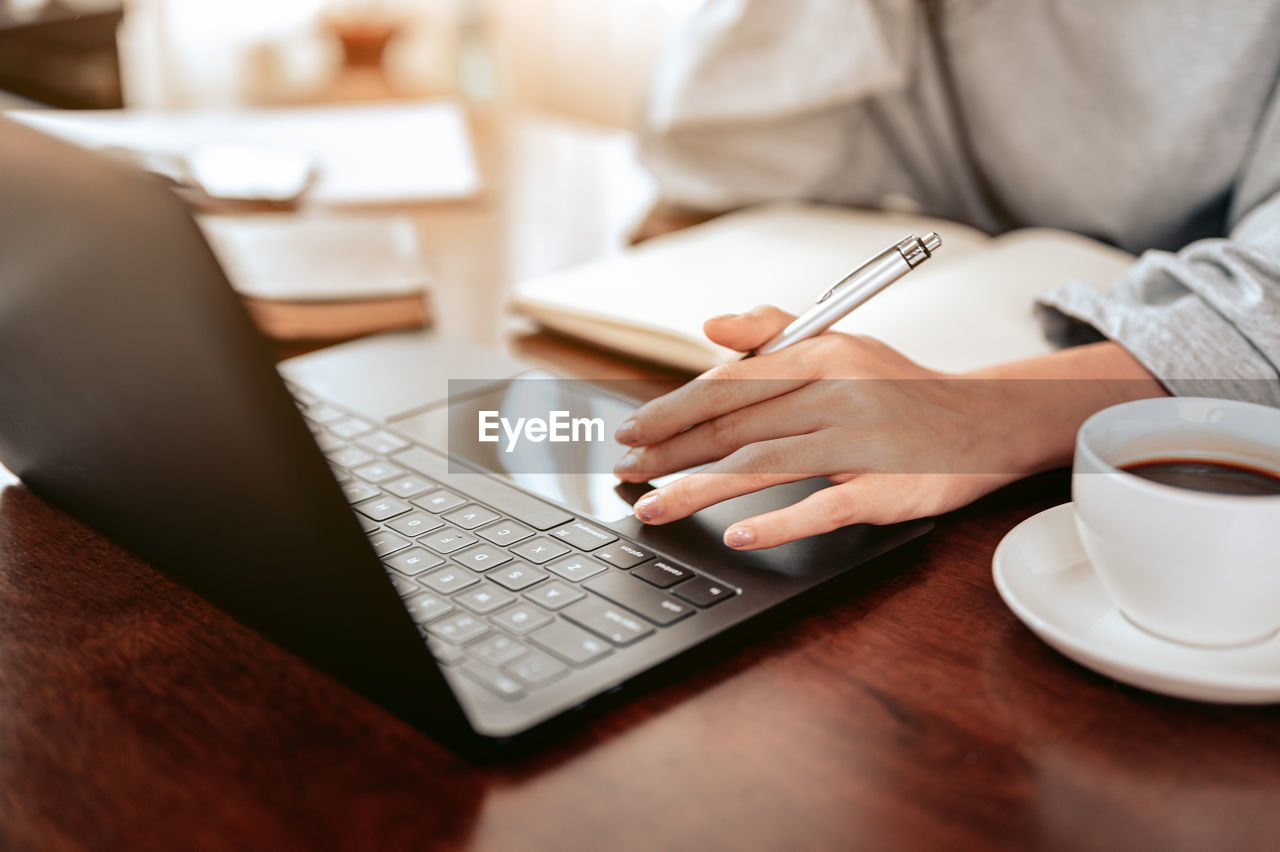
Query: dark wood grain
column 917, row 713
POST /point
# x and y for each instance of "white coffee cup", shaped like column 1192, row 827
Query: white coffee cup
column 1191, row 566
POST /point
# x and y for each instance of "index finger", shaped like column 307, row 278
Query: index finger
column 713, row 394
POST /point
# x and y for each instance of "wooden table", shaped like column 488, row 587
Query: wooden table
column 915, row 713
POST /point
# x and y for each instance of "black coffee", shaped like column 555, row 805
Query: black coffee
column 1214, row 476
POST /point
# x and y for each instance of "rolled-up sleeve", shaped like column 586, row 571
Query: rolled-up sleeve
column 1206, row 319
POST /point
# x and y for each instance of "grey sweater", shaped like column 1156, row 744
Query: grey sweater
column 1150, row 124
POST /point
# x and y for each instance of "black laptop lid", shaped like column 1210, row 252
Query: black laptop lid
column 136, row 395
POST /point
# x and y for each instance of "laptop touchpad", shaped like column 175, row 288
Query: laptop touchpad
column 551, row 436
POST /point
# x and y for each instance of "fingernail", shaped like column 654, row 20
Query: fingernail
column 649, row 506
column 724, row 317
column 628, row 432
column 739, row 536
column 629, row 463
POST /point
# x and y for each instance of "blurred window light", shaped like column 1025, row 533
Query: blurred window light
column 195, row 53
column 585, row 58
column 589, row 58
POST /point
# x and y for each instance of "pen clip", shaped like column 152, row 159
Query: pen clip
column 836, row 286
column 910, row 248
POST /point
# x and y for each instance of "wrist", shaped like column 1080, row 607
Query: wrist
column 1037, row 405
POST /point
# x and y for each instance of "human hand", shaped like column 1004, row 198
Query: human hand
column 898, row 441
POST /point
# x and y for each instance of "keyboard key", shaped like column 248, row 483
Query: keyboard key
column 449, row 579
column 539, row 550
column 569, row 643
column 409, row 485
column 612, row 622
column 504, row 533
column 404, row 585
column 350, row 456
column 444, row 652
column 624, row 554
column 349, row 427
column 635, row 595
column 583, row 536
column 522, row 618
column 576, row 568
column 704, row 592
column 536, row 669
column 415, row 523
column 439, row 501
column 447, row 540
column 382, row 443
column 385, row 542
column 426, row 607
column 662, row 573
column 368, row 525
column 460, row 627
column 495, row 681
column 507, row 500
column 381, row 508
column 517, row 576
column 303, row 397
column 378, row 471
column 484, row 599
column 324, row 413
column 496, row 649
column 483, row 557
column 339, row 474
column 327, row 441
column 357, row 491
column 554, row 595
column 470, row 517
column 413, row 561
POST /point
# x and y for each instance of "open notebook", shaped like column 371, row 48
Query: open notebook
column 971, row 306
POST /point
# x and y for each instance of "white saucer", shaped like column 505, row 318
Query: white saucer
column 1044, row 576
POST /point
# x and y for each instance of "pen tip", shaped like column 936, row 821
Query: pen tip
column 932, row 242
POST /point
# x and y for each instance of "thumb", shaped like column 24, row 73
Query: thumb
column 745, row 332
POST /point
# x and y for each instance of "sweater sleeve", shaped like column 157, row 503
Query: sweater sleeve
column 1206, row 319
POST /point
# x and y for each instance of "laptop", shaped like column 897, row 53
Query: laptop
column 315, row 501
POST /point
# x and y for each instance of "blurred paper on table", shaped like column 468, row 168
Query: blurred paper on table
column 318, row 258
column 366, row 154
column 323, row 277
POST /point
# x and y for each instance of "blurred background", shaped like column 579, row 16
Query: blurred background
column 361, row 165
column 587, row 59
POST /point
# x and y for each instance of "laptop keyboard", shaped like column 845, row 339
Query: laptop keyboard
column 513, row 601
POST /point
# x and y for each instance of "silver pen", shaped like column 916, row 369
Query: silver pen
column 855, row 289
